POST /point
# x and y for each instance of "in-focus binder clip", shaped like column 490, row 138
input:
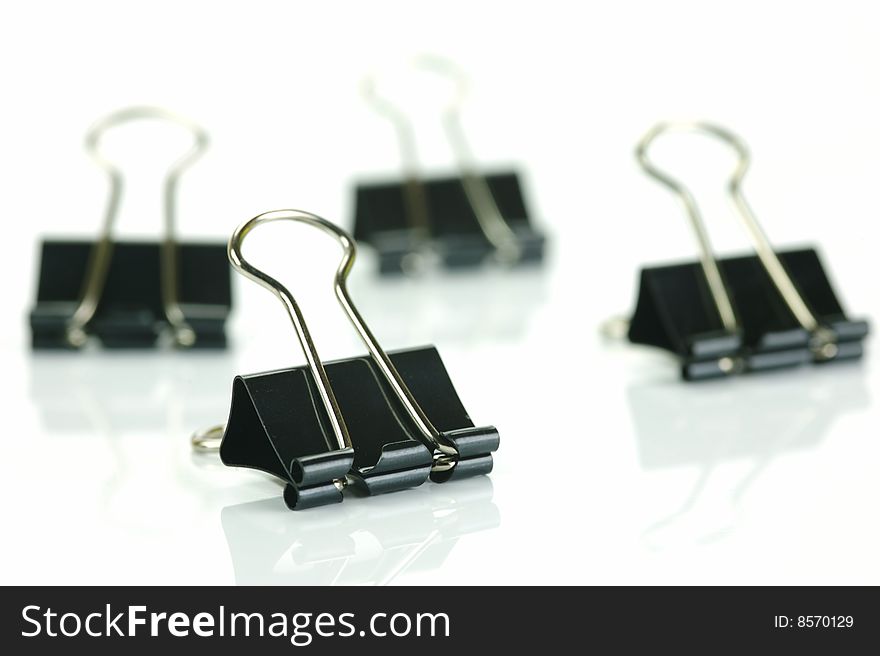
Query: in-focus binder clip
column 739, row 314
column 383, row 422
column 461, row 220
column 127, row 293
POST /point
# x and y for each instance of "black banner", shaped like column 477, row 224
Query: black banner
column 401, row 620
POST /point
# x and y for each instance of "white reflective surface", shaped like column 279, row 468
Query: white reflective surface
column 610, row 469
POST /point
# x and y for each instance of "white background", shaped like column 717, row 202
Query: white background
column 610, row 470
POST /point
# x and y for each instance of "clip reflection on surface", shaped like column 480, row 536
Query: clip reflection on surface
column 372, row 541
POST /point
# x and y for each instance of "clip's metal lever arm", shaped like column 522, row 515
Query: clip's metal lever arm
column 415, row 199
column 328, row 398
column 492, row 223
column 102, row 252
column 771, row 262
column 380, row 357
column 707, row 255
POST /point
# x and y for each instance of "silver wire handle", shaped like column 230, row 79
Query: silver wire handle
column 102, row 252
column 380, row 357
column 479, row 195
column 208, row 439
column 771, row 262
column 414, row 191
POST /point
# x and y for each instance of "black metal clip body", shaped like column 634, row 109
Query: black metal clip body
column 127, row 294
column 382, row 422
column 462, row 220
column 454, row 232
column 739, row 314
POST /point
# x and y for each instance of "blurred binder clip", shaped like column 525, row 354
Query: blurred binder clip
column 128, row 293
column 462, row 220
column 383, row 422
column 725, row 316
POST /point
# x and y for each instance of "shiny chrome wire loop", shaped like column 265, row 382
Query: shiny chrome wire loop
column 102, row 253
column 479, row 195
column 208, row 439
column 761, row 243
column 414, row 197
column 379, row 356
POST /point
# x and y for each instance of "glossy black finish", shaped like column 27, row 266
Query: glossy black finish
column 130, row 313
column 676, row 312
column 424, row 374
column 278, row 424
column 381, row 221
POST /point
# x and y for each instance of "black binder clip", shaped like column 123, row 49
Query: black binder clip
column 383, row 422
column 127, row 293
column 739, row 314
column 462, row 220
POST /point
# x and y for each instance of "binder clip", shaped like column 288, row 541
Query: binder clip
column 461, row 220
column 127, row 293
column 382, row 422
column 739, row 314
